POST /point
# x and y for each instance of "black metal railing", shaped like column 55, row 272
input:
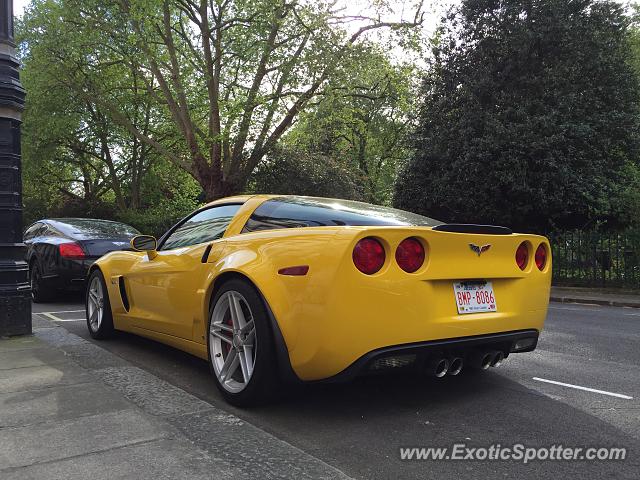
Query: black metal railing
column 596, row 259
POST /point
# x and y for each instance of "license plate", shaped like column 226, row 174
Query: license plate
column 474, row 297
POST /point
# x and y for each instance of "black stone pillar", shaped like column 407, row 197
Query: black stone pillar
column 15, row 296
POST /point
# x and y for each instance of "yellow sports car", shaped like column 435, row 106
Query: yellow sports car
column 270, row 288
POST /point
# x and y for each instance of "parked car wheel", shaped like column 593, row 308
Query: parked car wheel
column 40, row 292
column 98, row 308
column 240, row 344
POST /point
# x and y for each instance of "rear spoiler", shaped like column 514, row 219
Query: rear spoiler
column 472, row 228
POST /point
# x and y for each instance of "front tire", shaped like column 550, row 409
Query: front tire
column 240, row 345
column 98, row 308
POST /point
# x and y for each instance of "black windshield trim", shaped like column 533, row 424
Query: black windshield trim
column 473, row 228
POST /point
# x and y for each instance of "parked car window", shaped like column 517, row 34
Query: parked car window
column 205, row 226
column 32, row 231
column 291, row 212
column 97, row 228
column 49, row 231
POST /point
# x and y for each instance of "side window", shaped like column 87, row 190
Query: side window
column 296, row 212
column 274, row 214
column 32, row 231
column 208, row 225
column 49, row 231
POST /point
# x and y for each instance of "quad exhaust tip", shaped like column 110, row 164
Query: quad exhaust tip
column 455, row 366
column 482, row 360
column 438, row 367
column 498, row 358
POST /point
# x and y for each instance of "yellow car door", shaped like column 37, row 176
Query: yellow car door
column 166, row 286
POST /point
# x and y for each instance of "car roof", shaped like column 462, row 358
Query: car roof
column 73, row 225
column 241, row 199
column 83, row 219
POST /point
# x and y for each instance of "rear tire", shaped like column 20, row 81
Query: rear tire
column 240, row 345
column 98, row 307
column 40, row 292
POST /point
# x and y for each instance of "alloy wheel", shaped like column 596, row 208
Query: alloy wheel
column 232, row 340
column 95, row 303
column 35, row 280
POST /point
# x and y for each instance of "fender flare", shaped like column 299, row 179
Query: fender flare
column 287, row 374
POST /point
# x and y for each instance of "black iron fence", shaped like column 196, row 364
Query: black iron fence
column 596, row 259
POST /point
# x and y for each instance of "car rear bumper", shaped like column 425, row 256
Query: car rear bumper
column 71, row 274
column 345, row 338
column 415, row 356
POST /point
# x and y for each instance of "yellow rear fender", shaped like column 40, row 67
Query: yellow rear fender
column 260, row 256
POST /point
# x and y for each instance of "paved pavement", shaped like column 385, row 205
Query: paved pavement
column 357, row 429
column 594, row 297
column 70, row 409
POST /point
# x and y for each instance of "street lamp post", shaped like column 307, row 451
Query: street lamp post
column 15, row 297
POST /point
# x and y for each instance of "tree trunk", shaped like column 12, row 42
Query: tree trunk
column 220, row 189
column 215, row 185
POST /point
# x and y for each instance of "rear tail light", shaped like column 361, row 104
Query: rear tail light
column 71, row 250
column 410, row 255
column 541, row 256
column 368, row 255
column 522, row 256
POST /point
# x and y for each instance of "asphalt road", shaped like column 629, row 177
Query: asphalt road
column 360, row 427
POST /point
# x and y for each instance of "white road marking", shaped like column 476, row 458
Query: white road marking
column 586, row 389
column 60, row 311
column 57, row 319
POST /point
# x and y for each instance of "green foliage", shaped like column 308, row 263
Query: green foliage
column 169, row 195
column 70, row 132
column 529, row 118
column 365, row 125
column 296, row 172
column 625, row 204
column 209, row 86
column 120, row 89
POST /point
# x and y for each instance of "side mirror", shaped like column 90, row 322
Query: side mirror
column 144, row 243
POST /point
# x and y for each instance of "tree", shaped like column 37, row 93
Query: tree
column 529, row 115
column 290, row 171
column 365, row 125
column 231, row 75
column 68, row 134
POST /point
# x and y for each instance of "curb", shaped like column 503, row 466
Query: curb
column 595, row 301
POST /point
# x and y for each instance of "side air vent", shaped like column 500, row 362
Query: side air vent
column 205, row 255
column 123, row 293
column 472, row 228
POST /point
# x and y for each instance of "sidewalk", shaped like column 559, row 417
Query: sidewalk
column 594, row 297
column 71, row 410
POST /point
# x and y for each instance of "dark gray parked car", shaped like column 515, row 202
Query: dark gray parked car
column 61, row 250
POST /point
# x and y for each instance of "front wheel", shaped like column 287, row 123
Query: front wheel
column 98, row 308
column 241, row 351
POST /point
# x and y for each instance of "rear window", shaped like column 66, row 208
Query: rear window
column 292, row 212
column 105, row 228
